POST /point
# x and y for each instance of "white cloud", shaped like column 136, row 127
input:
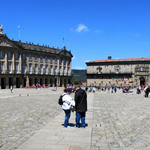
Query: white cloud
column 86, row 61
column 81, row 27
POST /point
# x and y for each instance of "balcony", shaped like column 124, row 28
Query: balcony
column 16, row 71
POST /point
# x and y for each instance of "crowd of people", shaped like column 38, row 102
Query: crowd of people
column 125, row 89
column 79, row 103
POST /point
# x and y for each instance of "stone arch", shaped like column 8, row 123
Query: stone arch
column 142, row 81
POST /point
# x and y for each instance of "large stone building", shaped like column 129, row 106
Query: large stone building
column 25, row 64
column 120, row 72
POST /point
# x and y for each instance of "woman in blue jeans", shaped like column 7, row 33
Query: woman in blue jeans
column 67, row 103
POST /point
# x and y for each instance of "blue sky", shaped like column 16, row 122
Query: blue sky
column 92, row 29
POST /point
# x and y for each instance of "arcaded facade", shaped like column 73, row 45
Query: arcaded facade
column 119, row 72
column 25, row 64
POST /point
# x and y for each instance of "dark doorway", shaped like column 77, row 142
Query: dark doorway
column 51, row 82
column 35, row 81
column 46, row 82
column 3, row 83
column 60, row 82
column 65, row 84
column 142, row 81
column 69, row 81
column 30, row 82
column 24, row 82
column 10, row 82
column 55, row 82
column 41, row 82
column 17, row 83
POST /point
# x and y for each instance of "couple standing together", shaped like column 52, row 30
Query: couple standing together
column 80, row 104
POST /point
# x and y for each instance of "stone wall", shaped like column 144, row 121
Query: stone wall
column 117, row 74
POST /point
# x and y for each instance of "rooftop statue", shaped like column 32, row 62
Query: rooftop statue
column 1, row 29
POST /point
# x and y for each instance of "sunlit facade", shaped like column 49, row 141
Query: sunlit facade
column 25, row 64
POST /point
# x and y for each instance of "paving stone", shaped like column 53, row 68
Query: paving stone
column 115, row 122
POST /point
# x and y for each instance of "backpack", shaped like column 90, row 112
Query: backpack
column 60, row 101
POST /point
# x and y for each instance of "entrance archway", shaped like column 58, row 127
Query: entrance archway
column 69, row 81
column 142, row 81
column 65, row 83
column 51, row 82
column 46, row 81
column 3, row 83
column 55, row 82
column 30, row 82
column 41, row 82
column 17, row 83
column 10, row 82
column 24, row 82
column 35, row 81
column 60, row 82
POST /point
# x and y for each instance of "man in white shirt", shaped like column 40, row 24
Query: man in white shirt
column 67, row 103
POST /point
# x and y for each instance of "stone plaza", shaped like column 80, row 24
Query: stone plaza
column 31, row 119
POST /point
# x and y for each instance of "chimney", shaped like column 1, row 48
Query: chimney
column 109, row 57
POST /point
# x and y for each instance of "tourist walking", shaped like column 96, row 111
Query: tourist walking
column 11, row 89
column 68, row 102
column 147, row 90
column 80, row 107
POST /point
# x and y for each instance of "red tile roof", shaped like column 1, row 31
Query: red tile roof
column 116, row 60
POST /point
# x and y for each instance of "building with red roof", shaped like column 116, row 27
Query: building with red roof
column 119, row 72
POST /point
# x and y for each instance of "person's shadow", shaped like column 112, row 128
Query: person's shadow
column 73, row 125
column 70, row 124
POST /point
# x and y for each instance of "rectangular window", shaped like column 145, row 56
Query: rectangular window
column 24, row 57
column 41, row 69
column 36, row 68
column 55, row 61
column 2, row 67
column 51, row 70
column 24, row 69
column 60, row 61
column 59, row 69
column 16, row 56
column 9, row 69
column 30, row 68
column 68, row 62
column 55, row 70
column 41, row 59
column 46, row 59
column 17, row 67
column 64, row 62
column 1, row 54
column 36, row 58
column 9, row 55
column 51, row 60
column 30, row 58
column 46, row 69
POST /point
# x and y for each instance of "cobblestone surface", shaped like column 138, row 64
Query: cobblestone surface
column 121, row 122
column 24, row 112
